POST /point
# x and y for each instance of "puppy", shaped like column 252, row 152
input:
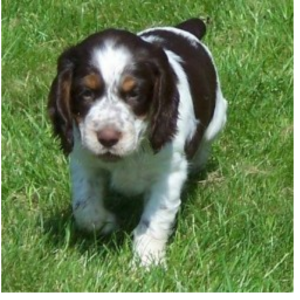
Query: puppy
column 136, row 113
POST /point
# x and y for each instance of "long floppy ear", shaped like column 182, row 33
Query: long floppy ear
column 164, row 112
column 59, row 102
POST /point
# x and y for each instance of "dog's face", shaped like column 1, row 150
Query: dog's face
column 114, row 89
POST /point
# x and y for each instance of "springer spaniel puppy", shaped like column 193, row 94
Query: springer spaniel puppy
column 136, row 113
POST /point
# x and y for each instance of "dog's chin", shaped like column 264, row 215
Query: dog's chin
column 109, row 157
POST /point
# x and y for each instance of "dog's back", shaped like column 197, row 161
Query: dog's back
column 182, row 43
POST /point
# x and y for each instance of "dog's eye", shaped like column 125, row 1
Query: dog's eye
column 132, row 95
column 87, row 94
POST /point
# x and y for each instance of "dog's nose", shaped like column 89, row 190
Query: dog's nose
column 108, row 137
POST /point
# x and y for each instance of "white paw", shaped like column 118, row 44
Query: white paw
column 92, row 218
column 148, row 251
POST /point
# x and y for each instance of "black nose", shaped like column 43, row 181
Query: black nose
column 108, row 137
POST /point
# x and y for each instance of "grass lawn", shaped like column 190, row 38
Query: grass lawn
column 235, row 228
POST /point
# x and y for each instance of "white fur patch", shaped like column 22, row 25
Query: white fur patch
column 190, row 37
column 111, row 60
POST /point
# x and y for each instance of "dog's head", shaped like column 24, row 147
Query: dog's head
column 114, row 89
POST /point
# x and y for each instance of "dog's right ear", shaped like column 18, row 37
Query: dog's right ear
column 59, row 100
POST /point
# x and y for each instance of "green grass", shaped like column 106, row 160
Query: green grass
column 235, row 228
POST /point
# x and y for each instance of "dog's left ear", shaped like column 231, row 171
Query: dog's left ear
column 164, row 112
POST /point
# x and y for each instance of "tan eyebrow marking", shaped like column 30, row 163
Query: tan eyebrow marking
column 92, row 81
column 128, row 84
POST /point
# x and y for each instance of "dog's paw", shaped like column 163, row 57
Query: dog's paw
column 148, row 251
column 93, row 219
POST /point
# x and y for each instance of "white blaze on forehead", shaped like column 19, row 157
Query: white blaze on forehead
column 111, row 61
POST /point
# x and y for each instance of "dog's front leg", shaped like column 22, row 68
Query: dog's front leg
column 88, row 187
column 162, row 204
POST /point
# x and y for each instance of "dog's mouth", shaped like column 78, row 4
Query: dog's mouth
column 109, row 157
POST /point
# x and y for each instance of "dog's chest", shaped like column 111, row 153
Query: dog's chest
column 137, row 174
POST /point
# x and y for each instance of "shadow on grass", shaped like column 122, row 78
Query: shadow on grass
column 61, row 230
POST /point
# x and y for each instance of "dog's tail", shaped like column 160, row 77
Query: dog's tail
column 194, row 26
